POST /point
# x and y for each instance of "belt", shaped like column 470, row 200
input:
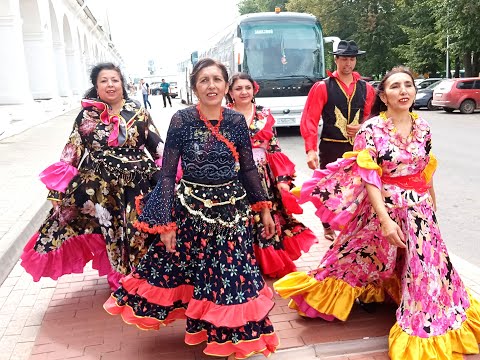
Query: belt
column 415, row 182
column 335, row 140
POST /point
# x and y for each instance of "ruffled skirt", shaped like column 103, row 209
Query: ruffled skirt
column 275, row 255
column 212, row 280
column 436, row 316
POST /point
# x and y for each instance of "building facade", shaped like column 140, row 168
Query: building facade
column 49, row 47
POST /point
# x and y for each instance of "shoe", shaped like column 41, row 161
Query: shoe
column 329, row 234
column 164, row 107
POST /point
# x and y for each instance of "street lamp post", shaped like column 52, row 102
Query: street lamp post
column 447, row 65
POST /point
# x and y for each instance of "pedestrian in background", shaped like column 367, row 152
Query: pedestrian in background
column 94, row 201
column 165, row 89
column 277, row 172
column 382, row 198
column 145, row 93
column 342, row 101
column 204, row 268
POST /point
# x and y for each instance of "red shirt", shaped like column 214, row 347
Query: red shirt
column 316, row 100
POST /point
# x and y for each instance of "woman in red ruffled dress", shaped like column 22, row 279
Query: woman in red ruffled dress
column 203, row 269
column 277, row 172
column 94, row 201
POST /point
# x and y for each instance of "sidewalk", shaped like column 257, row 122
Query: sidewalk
column 64, row 319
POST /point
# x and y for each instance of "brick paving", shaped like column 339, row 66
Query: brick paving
column 64, row 319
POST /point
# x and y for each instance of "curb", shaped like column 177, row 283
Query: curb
column 18, row 235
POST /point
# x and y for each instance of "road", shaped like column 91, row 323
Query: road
column 456, row 179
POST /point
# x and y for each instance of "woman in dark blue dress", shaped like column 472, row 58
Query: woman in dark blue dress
column 203, row 269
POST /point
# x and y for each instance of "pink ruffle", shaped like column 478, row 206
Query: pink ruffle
column 280, row 164
column 232, row 316
column 70, row 258
column 158, row 162
column 266, row 344
column 345, row 208
column 309, row 311
column 274, row 263
column 302, row 242
column 142, row 322
column 114, row 279
column 157, row 295
column 57, row 176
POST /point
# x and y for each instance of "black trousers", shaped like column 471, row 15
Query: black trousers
column 166, row 96
column 329, row 152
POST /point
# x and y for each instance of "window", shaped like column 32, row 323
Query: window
column 465, row 84
column 477, row 84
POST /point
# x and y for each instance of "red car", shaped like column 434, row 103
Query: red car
column 462, row 94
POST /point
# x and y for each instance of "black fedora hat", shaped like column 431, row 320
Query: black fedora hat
column 348, row 48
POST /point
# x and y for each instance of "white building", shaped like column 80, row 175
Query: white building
column 49, row 47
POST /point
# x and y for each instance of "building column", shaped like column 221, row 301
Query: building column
column 75, row 70
column 61, row 69
column 40, row 64
column 14, row 68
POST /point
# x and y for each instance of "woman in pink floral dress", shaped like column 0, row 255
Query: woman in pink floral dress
column 277, row 172
column 94, row 201
column 381, row 198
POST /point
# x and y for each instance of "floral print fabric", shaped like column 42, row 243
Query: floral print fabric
column 275, row 255
column 100, row 199
column 421, row 279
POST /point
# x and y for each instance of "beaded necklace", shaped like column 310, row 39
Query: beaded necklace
column 215, row 130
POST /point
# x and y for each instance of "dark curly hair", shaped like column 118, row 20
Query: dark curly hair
column 92, row 92
column 379, row 105
column 202, row 64
column 238, row 76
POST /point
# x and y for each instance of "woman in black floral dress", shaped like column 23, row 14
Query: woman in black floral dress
column 204, row 268
column 94, row 200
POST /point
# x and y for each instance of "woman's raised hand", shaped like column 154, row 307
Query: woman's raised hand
column 169, row 239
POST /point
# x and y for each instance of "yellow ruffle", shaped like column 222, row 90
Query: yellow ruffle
column 449, row 346
column 296, row 191
column 364, row 160
column 330, row 296
column 430, row 168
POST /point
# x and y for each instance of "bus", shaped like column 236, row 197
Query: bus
column 282, row 51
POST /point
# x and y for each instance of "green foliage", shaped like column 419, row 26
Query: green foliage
column 253, row 6
column 394, row 32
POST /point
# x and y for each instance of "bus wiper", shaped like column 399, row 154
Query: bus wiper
column 311, row 79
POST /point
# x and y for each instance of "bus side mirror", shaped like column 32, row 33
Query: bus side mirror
column 239, row 51
column 194, row 57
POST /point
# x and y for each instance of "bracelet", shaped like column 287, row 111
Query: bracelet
column 258, row 206
column 154, row 229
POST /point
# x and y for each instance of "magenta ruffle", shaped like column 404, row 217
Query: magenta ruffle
column 70, row 258
column 280, row 164
column 57, row 176
column 338, row 211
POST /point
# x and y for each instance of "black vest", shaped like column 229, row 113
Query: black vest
column 335, row 121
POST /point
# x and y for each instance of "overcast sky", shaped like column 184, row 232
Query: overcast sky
column 167, row 30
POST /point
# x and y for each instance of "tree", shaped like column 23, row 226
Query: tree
column 254, row 6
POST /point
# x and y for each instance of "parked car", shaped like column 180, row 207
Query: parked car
column 374, row 83
column 424, row 83
column 461, row 93
column 424, row 97
column 156, row 90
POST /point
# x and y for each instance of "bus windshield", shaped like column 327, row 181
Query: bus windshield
column 277, row 50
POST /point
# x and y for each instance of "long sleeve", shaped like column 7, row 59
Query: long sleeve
column 312, row 112
column 154, row 142
column 156, row 216
column 57, row 176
